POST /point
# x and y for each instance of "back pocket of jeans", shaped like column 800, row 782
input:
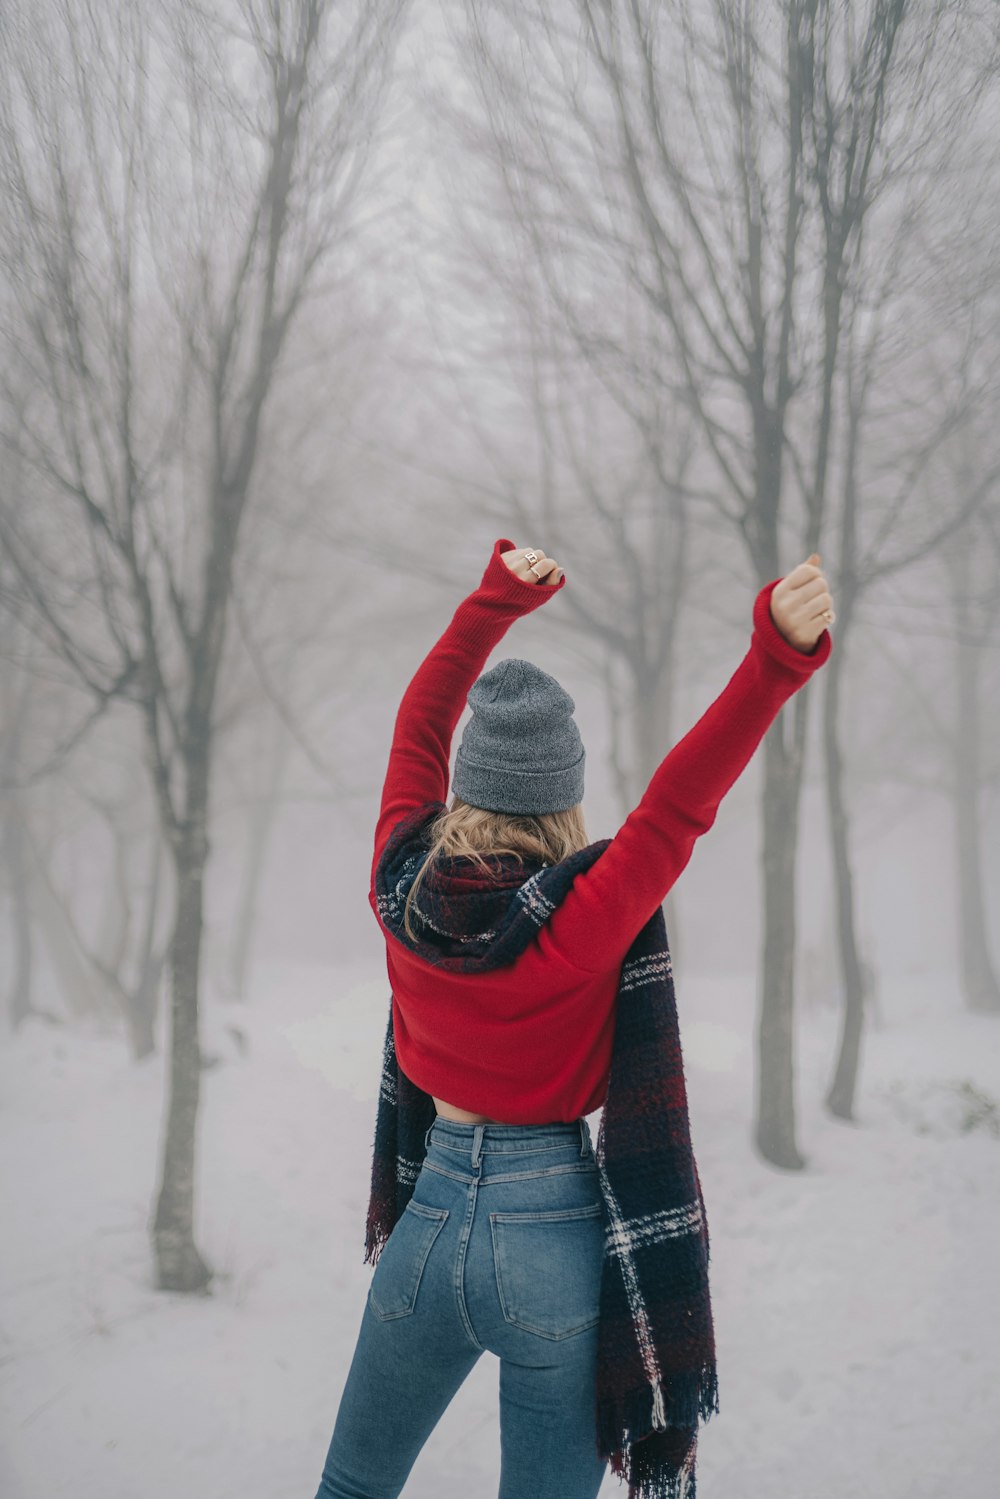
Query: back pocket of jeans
column 394, row 1287
column 548, row 1268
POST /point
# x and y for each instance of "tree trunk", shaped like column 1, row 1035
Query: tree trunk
column 775, row 1105
column 978, row 974
column 774, row 1130
column 143, row 997
column 840, row 1096
column 179, row 1265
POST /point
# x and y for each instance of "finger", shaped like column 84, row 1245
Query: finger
column 537, row 565
column 803, row 573
column 803, row 581
column 817, row 608
column 808, row 601
column 521, row 560
column 811, row 589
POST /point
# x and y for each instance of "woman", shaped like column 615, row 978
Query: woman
column 531, row 984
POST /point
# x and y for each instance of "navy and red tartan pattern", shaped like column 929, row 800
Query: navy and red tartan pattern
column 656, row 1365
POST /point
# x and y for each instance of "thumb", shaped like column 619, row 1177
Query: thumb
column 813, row 558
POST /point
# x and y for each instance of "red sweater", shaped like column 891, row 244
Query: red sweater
column 532, row 1045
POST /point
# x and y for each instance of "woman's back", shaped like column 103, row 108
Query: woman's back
column 532, row 1042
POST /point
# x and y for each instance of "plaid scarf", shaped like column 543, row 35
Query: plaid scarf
column 656, row 1370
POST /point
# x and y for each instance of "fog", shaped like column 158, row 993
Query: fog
column 302, row 308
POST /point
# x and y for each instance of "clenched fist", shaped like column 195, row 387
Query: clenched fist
column 801, row 605
column 532, row 566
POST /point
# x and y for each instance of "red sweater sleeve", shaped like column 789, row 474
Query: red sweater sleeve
column 438, row 693
column 596, row 922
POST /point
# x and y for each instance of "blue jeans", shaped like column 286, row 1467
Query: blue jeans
column 500, row 1250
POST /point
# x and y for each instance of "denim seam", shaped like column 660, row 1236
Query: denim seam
column 548, row 1215
column 465, row 1233
column 508, row 1176
column 407, row 1311
column 557, row 1144
column 423, row 1211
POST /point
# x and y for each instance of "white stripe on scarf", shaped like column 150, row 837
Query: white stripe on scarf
column 537, row 905
column 618, row 1236
column 625, row 1235
column 639, row 971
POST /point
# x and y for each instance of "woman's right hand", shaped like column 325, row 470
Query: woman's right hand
column 798, row 603
column 547, row 570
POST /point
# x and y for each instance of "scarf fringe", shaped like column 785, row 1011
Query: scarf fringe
column 382, row 1214
column 640, row 1412
column 376, row 1238
column 656, row 1457
column 652, row 1477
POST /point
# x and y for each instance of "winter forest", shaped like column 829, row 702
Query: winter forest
column 302, row 306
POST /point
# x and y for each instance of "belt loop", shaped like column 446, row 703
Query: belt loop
column 584, row 1142
column 477, row 1143
column 427, row 1131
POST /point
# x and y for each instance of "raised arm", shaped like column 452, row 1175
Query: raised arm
column 433, row 702
column 596, row 922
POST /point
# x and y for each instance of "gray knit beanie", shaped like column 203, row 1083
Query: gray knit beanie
column 521, row 750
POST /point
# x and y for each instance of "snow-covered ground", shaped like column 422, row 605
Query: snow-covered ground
column 856, row 1304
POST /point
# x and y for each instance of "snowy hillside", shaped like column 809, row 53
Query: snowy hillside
column 856, row 1311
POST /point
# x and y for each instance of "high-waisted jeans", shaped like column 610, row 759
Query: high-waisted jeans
column 499, row 1250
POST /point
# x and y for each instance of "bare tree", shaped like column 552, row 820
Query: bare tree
column 918, row 391
column 725, row 159
column 906, row 503
column 973, row 563
column 129, row 951
column 52, row 780
column 18, row 690
column 176, row 187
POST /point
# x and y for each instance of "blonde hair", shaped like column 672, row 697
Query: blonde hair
column 473, row 832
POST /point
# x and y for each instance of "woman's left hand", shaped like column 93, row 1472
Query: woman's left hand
column 522, row 559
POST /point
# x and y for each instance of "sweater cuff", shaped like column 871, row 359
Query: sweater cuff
column 804, row 663
column 500, row 582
